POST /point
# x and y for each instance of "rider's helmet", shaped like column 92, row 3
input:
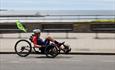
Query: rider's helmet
column 37, row 31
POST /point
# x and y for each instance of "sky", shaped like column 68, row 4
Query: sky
column 57, row 4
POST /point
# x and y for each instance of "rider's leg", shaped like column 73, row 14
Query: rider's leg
column 52, row 40
column 56, row 42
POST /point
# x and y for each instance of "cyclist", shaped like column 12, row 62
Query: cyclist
column 39, row 43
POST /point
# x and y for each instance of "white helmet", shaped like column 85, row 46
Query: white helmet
column 37, row 31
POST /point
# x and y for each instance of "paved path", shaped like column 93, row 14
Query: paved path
column 61, row 62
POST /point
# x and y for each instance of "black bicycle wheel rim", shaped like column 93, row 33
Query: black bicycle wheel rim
column 49, row 55
column 23, row 54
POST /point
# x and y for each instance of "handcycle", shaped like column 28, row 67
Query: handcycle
column 24, row 47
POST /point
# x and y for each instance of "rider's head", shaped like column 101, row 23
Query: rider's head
column 37, row 31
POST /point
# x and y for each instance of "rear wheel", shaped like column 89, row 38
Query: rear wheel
column 51, row 51
column 23, row 48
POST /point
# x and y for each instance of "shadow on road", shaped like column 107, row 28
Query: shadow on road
column 44, row 57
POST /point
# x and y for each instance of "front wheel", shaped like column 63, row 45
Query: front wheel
column 23, row 48
column 51, row 51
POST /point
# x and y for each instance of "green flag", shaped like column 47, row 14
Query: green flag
column 20, row 26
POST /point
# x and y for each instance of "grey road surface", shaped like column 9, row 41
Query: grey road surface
column 61, row 62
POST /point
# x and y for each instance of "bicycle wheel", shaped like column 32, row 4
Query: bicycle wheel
column 51, row 51
column 23, row 48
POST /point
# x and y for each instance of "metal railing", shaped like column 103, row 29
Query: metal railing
column 75, row 17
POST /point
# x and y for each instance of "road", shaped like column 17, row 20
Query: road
column 61, row 62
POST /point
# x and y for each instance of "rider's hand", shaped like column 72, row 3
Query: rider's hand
column 37, row 46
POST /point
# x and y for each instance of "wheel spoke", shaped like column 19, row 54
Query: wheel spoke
column 21, row 51
column 27, row 49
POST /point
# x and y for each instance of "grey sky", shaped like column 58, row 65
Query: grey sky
column 57, row 4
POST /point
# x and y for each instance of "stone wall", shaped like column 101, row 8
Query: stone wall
column 80, row 27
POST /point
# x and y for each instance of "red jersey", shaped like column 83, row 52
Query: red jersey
column 34, row 40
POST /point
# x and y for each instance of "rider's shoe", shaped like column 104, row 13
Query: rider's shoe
column 67, row 50
column 59, row 44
